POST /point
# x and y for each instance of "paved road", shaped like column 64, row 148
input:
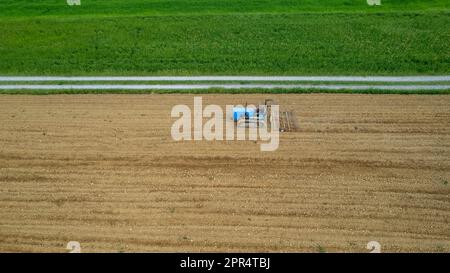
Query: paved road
column 227, row 82
column 221, row 86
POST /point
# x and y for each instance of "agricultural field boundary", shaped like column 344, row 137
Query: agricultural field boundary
column 234, row 78
column 211, row 84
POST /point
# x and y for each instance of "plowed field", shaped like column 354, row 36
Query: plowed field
column 103, row 170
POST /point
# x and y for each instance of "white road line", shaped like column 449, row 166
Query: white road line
column 221, row 86
column 235, row 78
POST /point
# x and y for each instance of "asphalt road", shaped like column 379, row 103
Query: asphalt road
column 228, row 82
column 220, row 86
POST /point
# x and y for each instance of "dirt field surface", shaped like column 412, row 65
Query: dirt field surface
column 103, row 170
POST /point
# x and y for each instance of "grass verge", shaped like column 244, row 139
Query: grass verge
column 226, row 91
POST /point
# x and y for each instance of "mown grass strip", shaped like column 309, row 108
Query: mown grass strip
column 392, row 79
column 227, row 91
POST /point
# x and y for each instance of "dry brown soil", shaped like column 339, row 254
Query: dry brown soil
column 103, row 170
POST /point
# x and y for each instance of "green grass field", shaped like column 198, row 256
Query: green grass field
column 94, row 8
column 235, row 37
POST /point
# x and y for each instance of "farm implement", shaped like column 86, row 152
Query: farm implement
column 249, row 116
